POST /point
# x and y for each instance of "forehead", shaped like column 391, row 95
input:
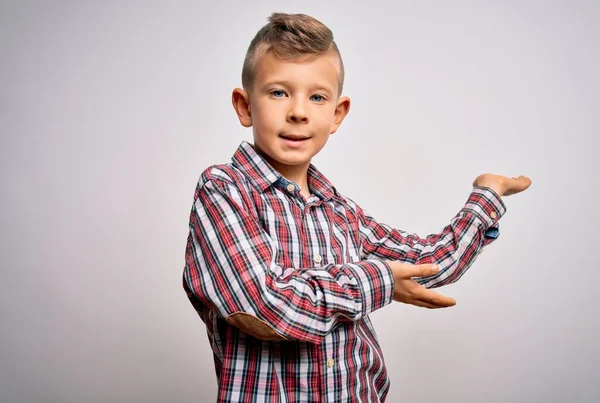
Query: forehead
column 321, row 69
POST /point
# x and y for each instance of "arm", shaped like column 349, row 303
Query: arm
column 231, row 268
column 454, row 249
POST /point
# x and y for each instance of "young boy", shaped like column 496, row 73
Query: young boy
column 281, row 267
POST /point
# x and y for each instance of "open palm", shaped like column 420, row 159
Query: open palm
column 503, row 185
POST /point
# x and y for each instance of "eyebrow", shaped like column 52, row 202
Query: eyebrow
column 288, row 84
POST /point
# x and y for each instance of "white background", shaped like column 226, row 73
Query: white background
column 109, row 112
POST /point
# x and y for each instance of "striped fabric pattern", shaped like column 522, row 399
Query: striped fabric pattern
column 285, row 284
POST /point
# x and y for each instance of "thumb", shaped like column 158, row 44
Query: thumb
column 418, row 270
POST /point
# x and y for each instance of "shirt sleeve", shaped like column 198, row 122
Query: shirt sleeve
column 454, row 249
column 231, row 269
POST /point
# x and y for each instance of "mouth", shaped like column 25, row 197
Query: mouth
column 294, row 137
column 294, row 141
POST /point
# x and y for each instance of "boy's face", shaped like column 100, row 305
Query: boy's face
column 292, row 99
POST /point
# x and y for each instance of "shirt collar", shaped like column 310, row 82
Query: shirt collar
column 263, row 175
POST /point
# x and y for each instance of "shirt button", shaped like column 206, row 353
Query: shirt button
column 291, row 187
column 317, row 258
column 330, row 363
column 493, row 214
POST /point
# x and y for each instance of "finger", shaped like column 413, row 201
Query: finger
column 419, row 270
column 518, row 184
column 526, row 181
column 522, row 179
column 425, row 304
column 431, row 297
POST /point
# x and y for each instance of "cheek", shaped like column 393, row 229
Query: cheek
column 324, row 118
column 268, row 116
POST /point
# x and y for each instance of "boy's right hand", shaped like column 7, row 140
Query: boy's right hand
column 409, row 291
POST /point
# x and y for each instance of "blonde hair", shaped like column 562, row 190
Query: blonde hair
column 290, row 37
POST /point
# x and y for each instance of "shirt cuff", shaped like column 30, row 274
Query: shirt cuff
column 487, row 205
column 376, row 283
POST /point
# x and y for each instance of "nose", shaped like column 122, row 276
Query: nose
column 297, row 113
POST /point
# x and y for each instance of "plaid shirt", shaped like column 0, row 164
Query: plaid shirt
column 285, row 284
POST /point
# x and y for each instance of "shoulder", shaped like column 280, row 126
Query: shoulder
column 348, row 202
column 224, row 179
column 222, row 175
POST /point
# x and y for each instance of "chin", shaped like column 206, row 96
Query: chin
column 290, row 160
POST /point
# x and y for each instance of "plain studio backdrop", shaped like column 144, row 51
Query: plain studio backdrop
column 109, row 112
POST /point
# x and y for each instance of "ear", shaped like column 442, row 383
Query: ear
column 241, row 104
column 341, row 110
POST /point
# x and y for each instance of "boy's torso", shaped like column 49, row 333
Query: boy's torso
column 309, row 233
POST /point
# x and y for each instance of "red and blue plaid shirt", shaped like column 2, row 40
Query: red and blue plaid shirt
column 285, row 284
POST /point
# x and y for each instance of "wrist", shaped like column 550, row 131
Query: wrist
column 493, row 186
column 393, row 265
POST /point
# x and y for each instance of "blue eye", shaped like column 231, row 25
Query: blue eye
column 320, row 97
column 275, row 92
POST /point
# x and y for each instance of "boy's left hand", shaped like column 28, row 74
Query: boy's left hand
column 503, row 185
